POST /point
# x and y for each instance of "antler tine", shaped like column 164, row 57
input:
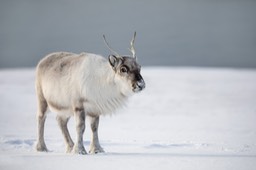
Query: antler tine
column 105, row 41
column 132, row 49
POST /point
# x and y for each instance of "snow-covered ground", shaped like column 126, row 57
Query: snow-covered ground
column 187, row 118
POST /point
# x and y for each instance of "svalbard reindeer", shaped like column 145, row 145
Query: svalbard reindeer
column 84, row 85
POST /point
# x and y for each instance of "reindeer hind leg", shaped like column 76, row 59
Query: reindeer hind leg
column 63, row 121
column 41, row 116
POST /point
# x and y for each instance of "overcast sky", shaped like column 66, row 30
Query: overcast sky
column 169, row 32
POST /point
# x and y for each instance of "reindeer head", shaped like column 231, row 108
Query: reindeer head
column 127, row 68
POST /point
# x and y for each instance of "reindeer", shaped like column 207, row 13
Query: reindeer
column 84, row 85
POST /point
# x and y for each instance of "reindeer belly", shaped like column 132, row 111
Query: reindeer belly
column 58, row 97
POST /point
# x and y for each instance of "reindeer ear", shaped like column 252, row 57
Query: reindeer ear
column 113, row 60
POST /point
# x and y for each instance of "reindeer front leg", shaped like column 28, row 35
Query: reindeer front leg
column 80, row 127
column 95, row 144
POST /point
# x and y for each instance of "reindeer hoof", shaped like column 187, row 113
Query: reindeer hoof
column 82, row 152
column 96, row 150
column 79, row 150
column 41, row 147
column 69, row 149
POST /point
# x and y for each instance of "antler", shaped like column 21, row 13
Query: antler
column 132, row 49
column 110, row 47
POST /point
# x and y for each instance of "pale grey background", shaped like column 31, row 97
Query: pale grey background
column 218, row 33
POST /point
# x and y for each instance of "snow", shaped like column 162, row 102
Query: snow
column 186, row 118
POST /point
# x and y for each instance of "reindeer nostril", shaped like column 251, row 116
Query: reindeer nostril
column 141, row 84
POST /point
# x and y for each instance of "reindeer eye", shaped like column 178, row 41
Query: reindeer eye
column 124, row 69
